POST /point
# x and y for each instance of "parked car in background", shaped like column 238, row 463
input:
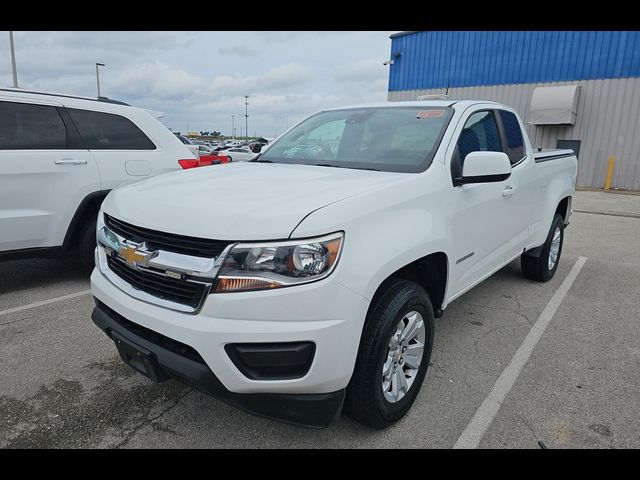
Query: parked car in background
column 204, row 150
column 256, row 147
column 192, row 148
column 238, row 154
column 60, row 156
column 315, row 280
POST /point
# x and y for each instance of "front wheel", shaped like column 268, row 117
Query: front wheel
column 544, row 267
column 393, row 356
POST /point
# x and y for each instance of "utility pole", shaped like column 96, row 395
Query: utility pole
column 233, row 127
column 98, row 76
column 13, row 61
column 246, row 116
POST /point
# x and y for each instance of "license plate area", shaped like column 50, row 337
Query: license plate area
column 139, row 358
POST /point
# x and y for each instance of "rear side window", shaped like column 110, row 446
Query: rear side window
column 24, row 126
column 515, row 141
column 107, row 131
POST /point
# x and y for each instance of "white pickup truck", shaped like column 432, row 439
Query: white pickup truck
column 315, row 279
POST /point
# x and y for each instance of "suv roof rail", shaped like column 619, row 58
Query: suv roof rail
column 33, row 92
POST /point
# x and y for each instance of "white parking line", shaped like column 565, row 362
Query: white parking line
column 44, row 302
column 479, row 424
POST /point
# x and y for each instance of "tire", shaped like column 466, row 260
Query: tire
column 230, row 159
column 365, row 400
column 542, row 268
column 87, row 245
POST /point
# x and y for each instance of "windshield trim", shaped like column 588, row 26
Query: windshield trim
column 382, row 167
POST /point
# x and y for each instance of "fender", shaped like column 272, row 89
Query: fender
column 389, row 228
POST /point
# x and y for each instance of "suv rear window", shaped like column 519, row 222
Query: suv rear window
column 24, row 126
column 107, row 131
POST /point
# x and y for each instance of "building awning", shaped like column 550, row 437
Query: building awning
column 554, row 105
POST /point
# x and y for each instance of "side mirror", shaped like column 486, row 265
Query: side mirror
column 483, row 167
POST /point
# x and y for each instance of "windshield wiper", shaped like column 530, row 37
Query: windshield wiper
column 260, row 161
column 342, row 166
column 327, row 165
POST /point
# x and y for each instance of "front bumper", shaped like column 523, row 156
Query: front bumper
column 169, row 360
column 324, row 312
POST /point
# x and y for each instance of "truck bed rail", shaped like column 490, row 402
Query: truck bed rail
column 546, row 155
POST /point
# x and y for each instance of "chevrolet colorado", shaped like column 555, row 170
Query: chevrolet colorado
column 314, row 283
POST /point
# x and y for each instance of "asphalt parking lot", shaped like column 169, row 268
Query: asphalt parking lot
column 63, row 384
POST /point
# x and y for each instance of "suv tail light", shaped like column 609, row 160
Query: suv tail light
column 189, row 163
column 203, row 161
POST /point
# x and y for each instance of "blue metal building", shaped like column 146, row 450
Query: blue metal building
column 516, row 68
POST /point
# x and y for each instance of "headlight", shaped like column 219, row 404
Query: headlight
column 260, row 266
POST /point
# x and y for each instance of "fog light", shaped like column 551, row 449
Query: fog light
column 272, row 361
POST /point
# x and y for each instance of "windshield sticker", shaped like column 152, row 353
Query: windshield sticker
column 430, row 113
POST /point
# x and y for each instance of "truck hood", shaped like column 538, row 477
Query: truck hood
column 238, row 201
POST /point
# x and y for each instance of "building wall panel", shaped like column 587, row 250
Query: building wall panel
column 437, row 59
column 608, row 123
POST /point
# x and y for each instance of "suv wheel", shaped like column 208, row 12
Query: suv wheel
column 87, row 245
column 393, row 357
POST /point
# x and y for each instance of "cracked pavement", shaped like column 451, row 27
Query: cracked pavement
column 62, row 383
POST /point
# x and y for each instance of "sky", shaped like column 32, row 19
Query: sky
column 200, row 78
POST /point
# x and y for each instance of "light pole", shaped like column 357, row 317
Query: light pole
column 233, row 127
column 246, row 117
column 98, row 76
column 13, row 61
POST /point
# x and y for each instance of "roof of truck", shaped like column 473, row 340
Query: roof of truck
column 457, row 104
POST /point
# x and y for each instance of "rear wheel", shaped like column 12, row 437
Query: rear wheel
column 87, row 245
column 544, row 267
column 393, row 357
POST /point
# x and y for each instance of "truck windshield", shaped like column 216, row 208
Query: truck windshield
column 392, row 139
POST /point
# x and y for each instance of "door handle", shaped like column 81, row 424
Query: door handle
column 70, row 161
column 508, row 191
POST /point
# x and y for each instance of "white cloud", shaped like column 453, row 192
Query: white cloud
column 239, row 50
column 202, row 77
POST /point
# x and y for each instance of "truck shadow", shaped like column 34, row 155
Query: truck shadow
column 16, row 275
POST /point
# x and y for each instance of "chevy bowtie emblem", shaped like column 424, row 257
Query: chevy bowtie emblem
column 134, row 257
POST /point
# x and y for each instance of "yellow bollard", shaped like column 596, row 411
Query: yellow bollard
column 607, row 182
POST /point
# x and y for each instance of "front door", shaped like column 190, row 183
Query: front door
column 480, row 223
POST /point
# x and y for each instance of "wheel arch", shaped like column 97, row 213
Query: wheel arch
column 89, row 206
column 431, row 272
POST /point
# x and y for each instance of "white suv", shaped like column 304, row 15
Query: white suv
column 60, row 156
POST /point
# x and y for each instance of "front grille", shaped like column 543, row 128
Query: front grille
column 197, row 247
column 154, row 337
column 166, row 288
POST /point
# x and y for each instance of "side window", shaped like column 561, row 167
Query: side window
column 107, row 131
column 24, row 126
column 480, row 134
column 515, row 141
